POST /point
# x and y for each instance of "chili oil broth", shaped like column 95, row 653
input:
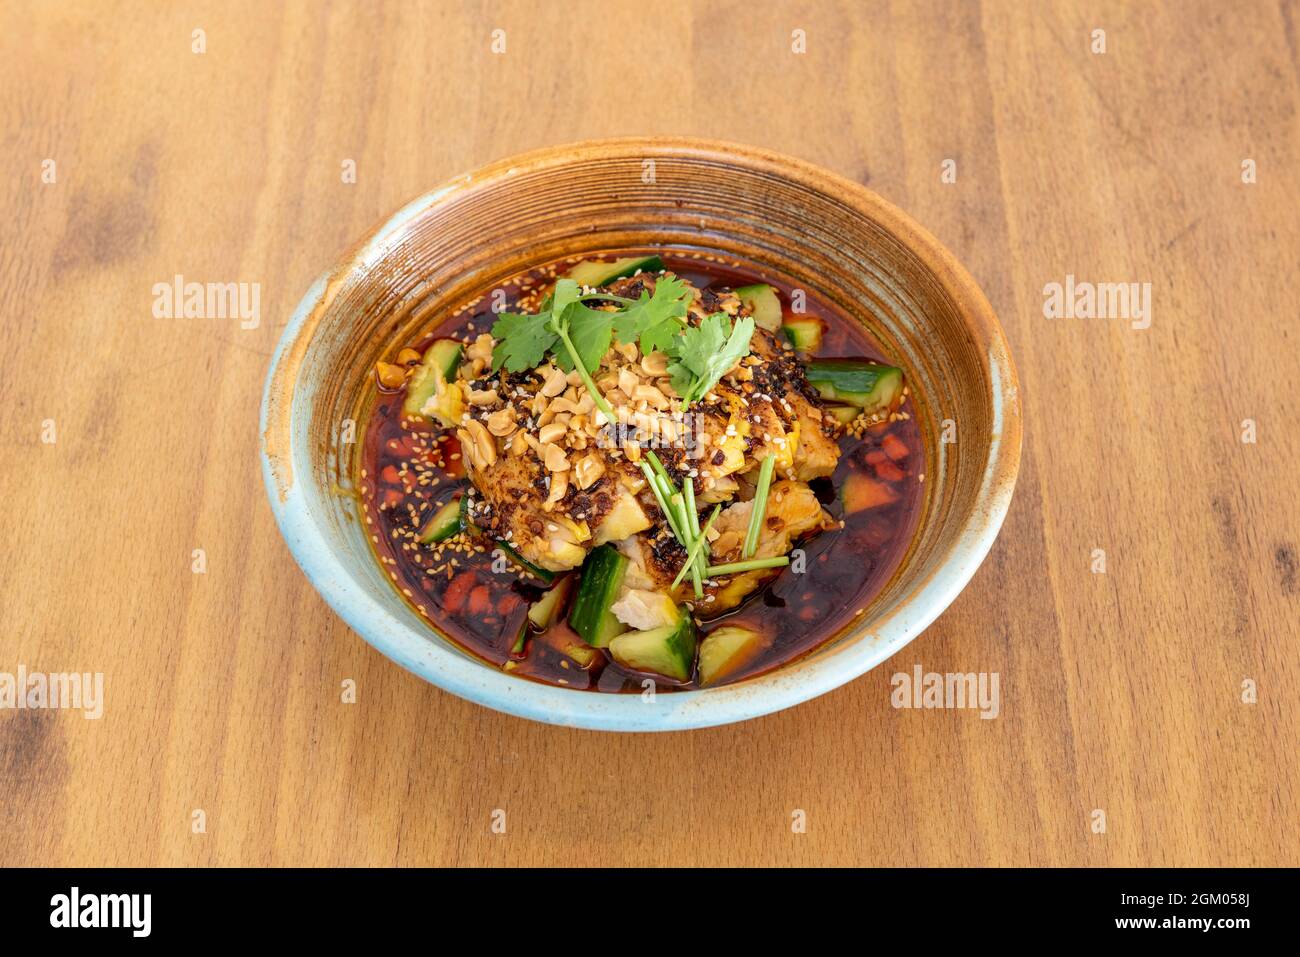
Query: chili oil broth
column 409, row 467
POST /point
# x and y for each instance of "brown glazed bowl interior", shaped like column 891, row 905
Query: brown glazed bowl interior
column 789, row 219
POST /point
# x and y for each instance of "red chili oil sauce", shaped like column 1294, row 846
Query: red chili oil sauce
column 410, row 467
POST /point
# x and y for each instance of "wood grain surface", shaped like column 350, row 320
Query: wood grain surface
column 1121, row 691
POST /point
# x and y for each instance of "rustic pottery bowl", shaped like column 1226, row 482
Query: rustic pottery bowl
column 788, row 218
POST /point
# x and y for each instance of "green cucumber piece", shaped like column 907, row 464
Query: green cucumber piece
column 763, row 304
column 667, row 651
column 465, row 521
column 867, row 385
column 726, row 649
column 441, row 358
column 582, row 653
column 536, row 571
column 844, row 414
column 445, row 523
column 602, row 580
column 595, row 274
column 886, row 393
column 543, row 612
column 804, row 333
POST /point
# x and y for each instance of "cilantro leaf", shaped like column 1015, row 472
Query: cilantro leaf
column 566, row 293
column 653, row 321
column 703, row 354
column 585, row 332
column 591, row 332
column 570, row 319
column 577, row 337
column 522, row 341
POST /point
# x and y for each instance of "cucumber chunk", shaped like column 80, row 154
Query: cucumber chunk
column 602, row 580
column 641, row 609
column 543, row 612
column 725, row 650
column 537, row 571
column 466, row 522
column 804, row 332
column 844, row 414
column 445, row 523
column 582, row 653
column 763, row 303
column 595, row 274
column 867, row 385
column 667, row 651
column 440, row 359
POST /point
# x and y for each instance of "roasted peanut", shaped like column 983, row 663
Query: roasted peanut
column 481, row 348
column 559, row 486
column 555, row 382
column 555, row 459
column 650, row 395
column 485, row 447
column 467, row 448
column 551, row 432
column 502, row 421
column 654, row 364
column 588, row 470
column 390, row 376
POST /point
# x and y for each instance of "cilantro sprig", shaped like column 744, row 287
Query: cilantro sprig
column 523, row 340
column 577, row 336
column 653, row 320
column 703, row 354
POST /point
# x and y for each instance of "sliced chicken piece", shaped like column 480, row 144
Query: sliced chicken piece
column 817, row 453
column 644, row 609
column 792, row 513
column 654, row 560
column 723, row 490
column 624, row 517
column 509, row 509
column 637, row 576
column 814, row 451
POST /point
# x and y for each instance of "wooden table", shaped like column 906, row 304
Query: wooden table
column 1121, row 691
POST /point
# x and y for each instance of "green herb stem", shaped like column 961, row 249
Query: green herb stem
column 696, row 552
column 667, row 491
column 688, row 494
column 678, row 504
column 760, row 505
column 596, row 396
column 688, row 491
column 659, row 467
column 678, row 507
column 653, row 481
column 752, row 565
column 681, row 519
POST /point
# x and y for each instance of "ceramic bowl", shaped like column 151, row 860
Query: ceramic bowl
column 793, row 220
